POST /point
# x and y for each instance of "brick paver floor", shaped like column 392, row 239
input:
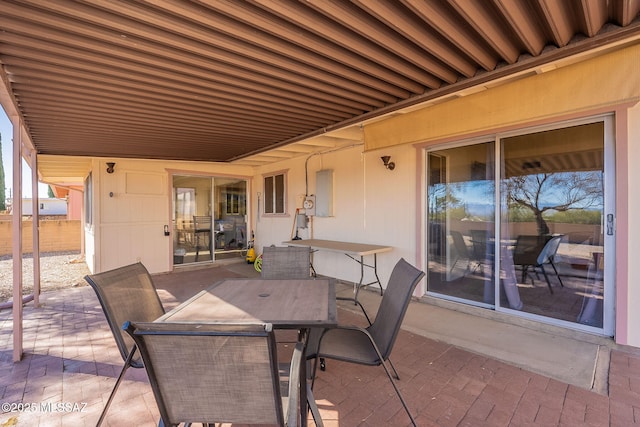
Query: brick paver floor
column 71, row 362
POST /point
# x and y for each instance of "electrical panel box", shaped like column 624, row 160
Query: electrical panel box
column 324, row 192
column 309, row 205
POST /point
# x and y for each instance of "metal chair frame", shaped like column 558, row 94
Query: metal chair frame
column 125, row 293
column 201, row 372
column 372, row 345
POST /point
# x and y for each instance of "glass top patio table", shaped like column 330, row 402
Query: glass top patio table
column 286, row 304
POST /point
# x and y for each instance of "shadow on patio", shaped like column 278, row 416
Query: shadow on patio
column 71, row 359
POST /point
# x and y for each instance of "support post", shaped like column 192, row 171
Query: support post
column 16, row 221
column 36, row 227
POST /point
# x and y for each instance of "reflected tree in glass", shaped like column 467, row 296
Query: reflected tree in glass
column 552, row 193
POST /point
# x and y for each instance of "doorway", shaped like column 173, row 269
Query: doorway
column 209, row 218
column 523, row 223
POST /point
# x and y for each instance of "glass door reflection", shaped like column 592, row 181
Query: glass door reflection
column 461, row 212
column 552, row 204
column 546, row 255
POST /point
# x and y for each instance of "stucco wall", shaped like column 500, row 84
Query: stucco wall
column 371, row 205
column 630, row 333
column 593, row 83
column 55, row 235
column 131, row 207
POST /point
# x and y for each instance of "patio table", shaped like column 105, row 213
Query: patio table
column 286, row 304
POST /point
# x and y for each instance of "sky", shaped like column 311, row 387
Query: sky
column 6, row 131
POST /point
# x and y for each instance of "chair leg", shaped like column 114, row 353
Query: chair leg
column 127, row 363
column 315, row 413
column 544, row 272
column 393, row 383
column 314, row 370
column 395, row 373
column 556, row 271
column 395, row 386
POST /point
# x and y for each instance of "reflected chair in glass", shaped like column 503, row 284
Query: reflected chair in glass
column 535, row 252
column 526, row 251
column 202, row 234
column 372, row 345
column 218, row 373
column 547, row 256
column 461, row 249
column 482, row 248
column 125, row 293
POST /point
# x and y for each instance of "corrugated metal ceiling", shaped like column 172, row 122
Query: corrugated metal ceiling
column 220, row 80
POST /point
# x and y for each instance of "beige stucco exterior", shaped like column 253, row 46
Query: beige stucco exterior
column 597, row 83
column 627, row 273
column 131, row 207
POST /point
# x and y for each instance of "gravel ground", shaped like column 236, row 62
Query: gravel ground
column 57, row 270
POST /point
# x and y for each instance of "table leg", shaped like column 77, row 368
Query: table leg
column 356, row 289
column 307, row 401
column 211, row 244
column 375, row 272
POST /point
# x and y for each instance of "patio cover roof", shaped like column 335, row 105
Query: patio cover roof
column 261, row 80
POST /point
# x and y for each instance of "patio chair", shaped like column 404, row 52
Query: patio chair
column 293, row 262
column 547, row 256
column 218, row 373
column 286, row 262
column 372, row 345
column 125, row 293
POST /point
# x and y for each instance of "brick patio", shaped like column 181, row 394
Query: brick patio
column 70, row 357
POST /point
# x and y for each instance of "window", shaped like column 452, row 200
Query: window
column 274, row 194
column 88, row 190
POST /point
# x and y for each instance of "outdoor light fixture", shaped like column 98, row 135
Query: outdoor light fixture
column 110, row 166
column 387, row 164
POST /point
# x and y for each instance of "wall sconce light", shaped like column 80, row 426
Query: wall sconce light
column 110, row 167
column 387, row 164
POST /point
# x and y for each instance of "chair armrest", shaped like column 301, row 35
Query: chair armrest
column 356, row 302
column 294, row 386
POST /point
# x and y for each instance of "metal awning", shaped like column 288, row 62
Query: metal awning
column 230, row 80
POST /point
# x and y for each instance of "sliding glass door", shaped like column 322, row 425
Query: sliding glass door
column 209, row 218
column 524, row 223
column 461, row 199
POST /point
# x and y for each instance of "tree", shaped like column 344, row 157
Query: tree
column 554, row 192
column 3, row 206
column 50, row 192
